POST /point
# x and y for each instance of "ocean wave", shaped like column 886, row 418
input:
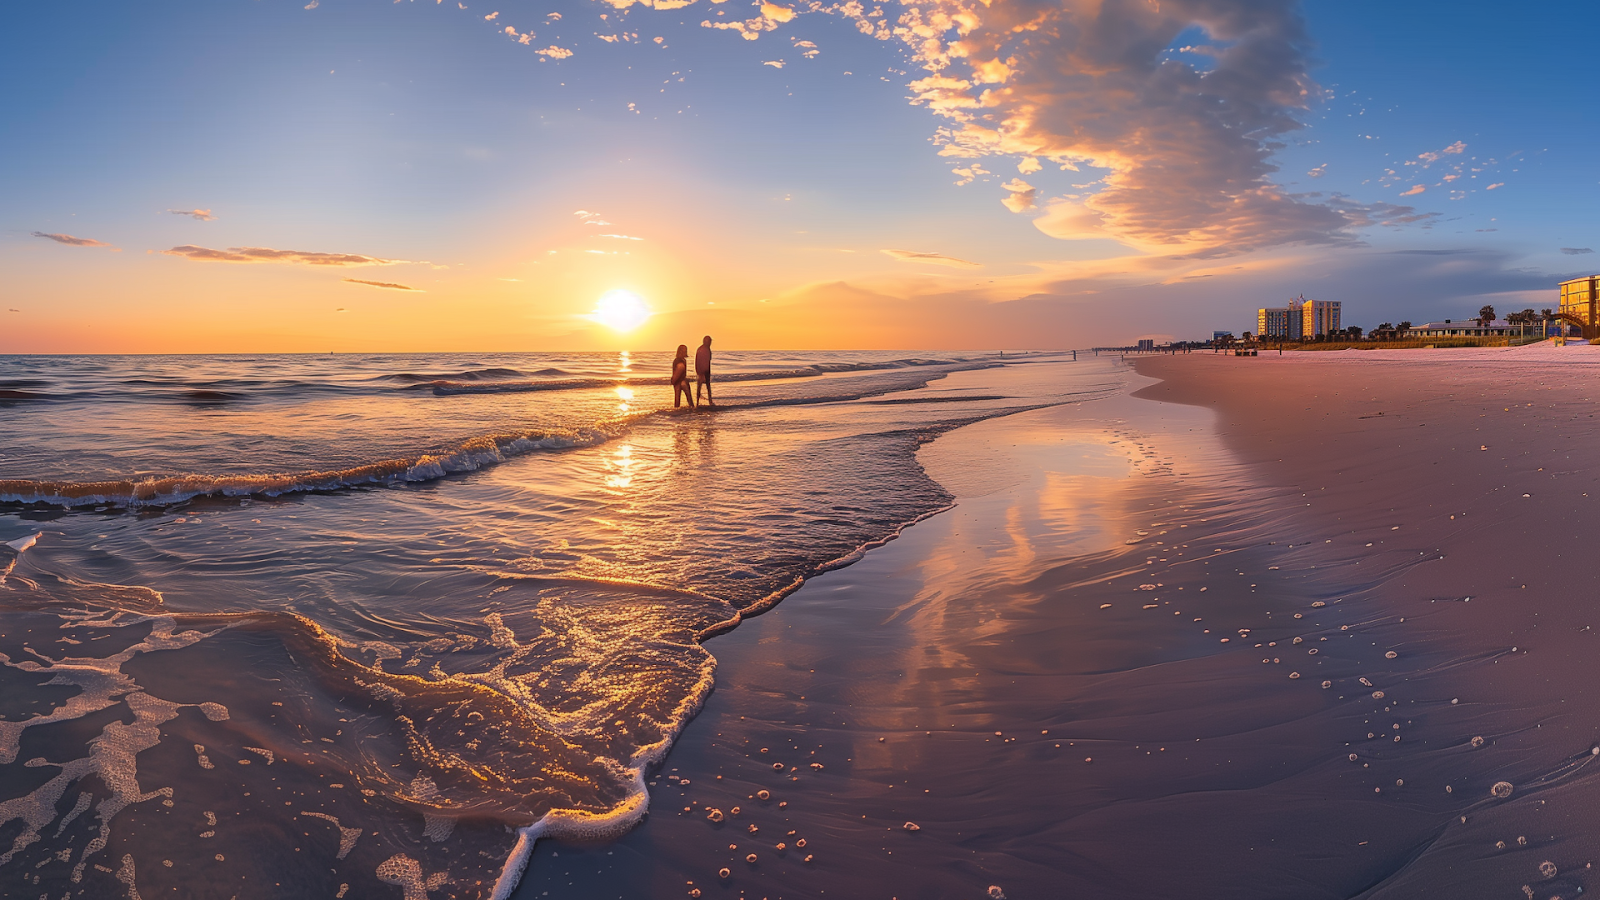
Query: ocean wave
column 450, row 385
column 467, row 456
column 470, row 375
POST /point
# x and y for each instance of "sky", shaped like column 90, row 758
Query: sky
column 180, row 176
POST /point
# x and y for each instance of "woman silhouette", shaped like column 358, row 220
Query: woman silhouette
column 680, row 378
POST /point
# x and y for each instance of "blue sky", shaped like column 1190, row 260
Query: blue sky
column 418, row 146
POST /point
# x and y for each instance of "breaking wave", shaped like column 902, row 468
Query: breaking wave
column 467, row 456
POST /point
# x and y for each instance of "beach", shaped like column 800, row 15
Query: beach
column 1336, row 714
column 1309, row 626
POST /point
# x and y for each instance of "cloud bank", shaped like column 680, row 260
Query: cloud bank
column 71, row 241
column 1184, row 134
column 267, row 254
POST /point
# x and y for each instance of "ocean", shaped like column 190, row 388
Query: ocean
column 371, row 625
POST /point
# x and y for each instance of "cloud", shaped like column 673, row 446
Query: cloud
column 1186, row 143
column 554, row 52
column 1497, row 184
column 383, row 284
column 938, row 259
column 203, row 215
column 1415, row 189
column 1576, row 251
column 775, row 63
column 266, row 254
column 1434, row 156
column 1022, row 195
column 71, row 241
column 622, row 237
column 1319, row 171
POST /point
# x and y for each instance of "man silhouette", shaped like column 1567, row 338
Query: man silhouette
column 702, row 370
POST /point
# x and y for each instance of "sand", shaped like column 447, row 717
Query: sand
column 1038, row 683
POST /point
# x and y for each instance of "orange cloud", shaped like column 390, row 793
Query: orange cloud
column 203, row 215
column 267, row 254
column 71, row 241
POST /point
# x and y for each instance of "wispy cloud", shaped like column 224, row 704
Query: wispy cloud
column 1415, row 189
column 267, row 254
column 1576, row 251
column 622, row 237
column 384, row 284
column 938, row 259
column 203, row 215
column 71, row 241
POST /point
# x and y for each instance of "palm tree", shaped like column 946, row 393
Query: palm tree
column 1485, row 315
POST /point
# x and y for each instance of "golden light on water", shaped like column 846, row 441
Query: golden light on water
column 625, row 395
column 620, row 310
column 621, row 463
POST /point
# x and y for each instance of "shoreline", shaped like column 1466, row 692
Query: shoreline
column 1311, row 799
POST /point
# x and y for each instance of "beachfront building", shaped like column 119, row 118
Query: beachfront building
column 1579, row 300
column 1464, row 328
column 1301, row 319
column 1274, row 324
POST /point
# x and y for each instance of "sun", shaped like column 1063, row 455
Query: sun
column 620, row 310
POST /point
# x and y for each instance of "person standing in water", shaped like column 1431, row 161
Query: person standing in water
column 702, row 370
column 680, row 378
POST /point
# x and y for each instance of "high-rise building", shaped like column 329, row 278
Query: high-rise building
column 1318, row 316
column 1277, row 324
column 1302, row 318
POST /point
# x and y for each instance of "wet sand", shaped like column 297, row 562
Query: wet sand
column 1212, row 639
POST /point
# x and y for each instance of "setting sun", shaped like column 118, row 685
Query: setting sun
column 620, row 310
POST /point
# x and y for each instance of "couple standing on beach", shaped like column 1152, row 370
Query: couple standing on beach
column 702, row 374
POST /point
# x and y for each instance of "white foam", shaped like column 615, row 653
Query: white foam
column 112, row 755
column 21, row 544
column 347, row 836
column 406, row 872
column 468, row 456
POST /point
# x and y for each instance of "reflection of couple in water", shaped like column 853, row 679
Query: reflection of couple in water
column 702, row 374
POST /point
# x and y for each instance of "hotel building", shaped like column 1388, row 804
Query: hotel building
column 1302, row 318
column 1578, row 299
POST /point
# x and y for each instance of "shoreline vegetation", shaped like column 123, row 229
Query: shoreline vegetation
column 1434, row 343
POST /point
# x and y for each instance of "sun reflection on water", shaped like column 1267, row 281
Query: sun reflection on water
column 625, row 395
column 621, row 462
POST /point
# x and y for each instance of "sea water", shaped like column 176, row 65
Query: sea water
column 289, row 626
